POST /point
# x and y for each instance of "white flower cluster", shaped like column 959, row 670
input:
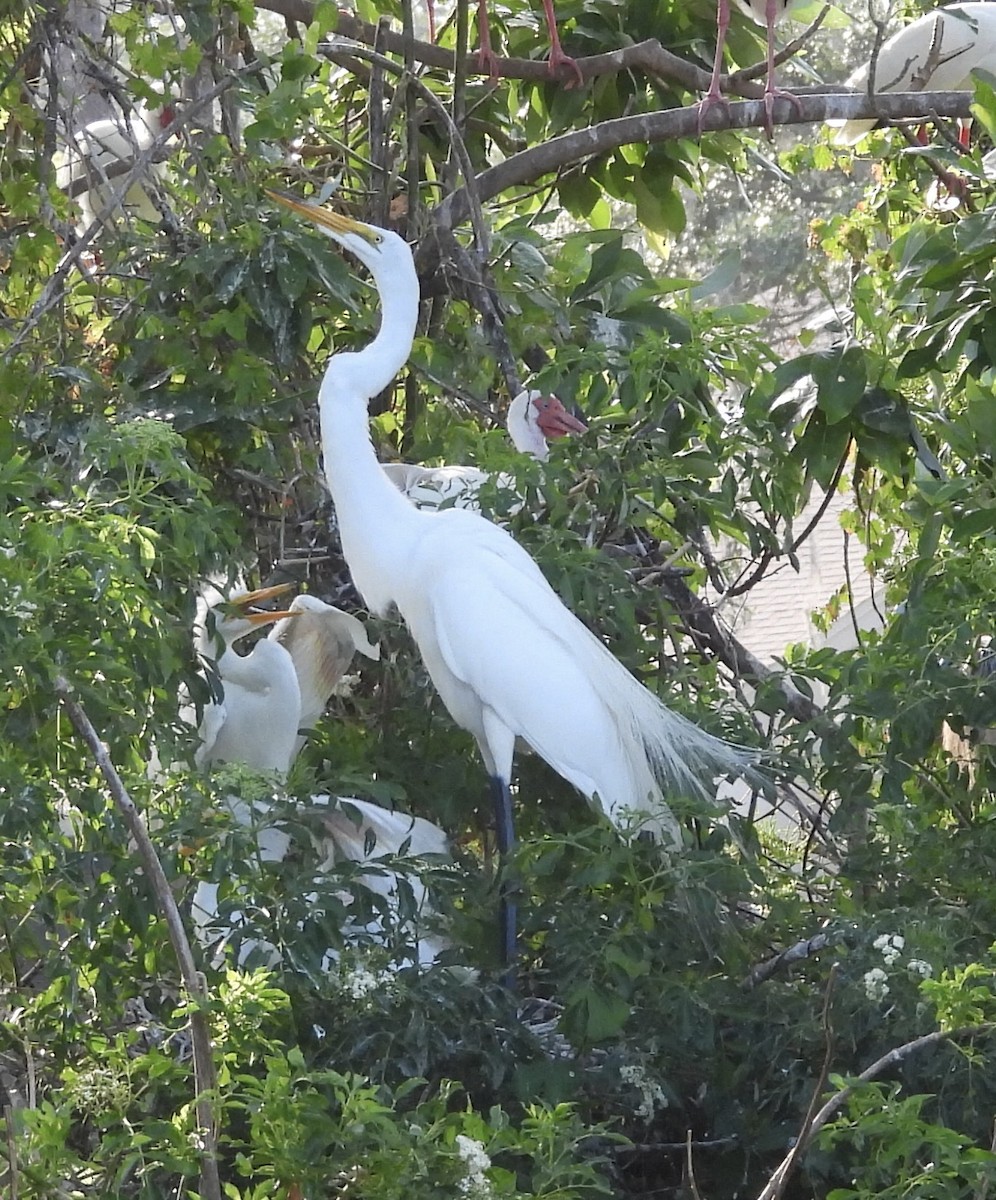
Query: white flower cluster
column 876, row 984
column 652, row 1096
column 475, row 1160
column 359, row 981
column 891, row 945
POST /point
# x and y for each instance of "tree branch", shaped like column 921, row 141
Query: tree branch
column 701, row 621
column 792, row 954
column 776, row 1184
column 668, row 124
column 205, row 1078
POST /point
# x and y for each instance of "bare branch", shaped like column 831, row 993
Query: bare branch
column 793, row 954
column 668, row 124
column 205, row 1078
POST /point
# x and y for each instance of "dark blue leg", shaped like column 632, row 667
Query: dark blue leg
column 506, row 841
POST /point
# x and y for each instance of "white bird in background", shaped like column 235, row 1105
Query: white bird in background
column 256, row 719
column 767, row 13
column 98, row 155
column 351, row 831
column 936, row 53
column 321, row 641
column 532, row 419
column 508, row 659
column 280, row 687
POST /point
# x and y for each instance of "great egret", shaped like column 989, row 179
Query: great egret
column 98, row 153
column 936, row 53
column 349, row 830
column 321, row 641
column 257, row 718
column 532, row 419
column 280, row 687
column 508, row 659
column 767, row 13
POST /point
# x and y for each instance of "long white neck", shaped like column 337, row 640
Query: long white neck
column 375, row 519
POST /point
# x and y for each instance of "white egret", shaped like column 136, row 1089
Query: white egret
column 936, row 53
column 257, row 718
column 355, row 831
column 321, row 641
column 99, row 153
column 280, row 687
column 767, row 13
column 532, row 419
column 508, row 659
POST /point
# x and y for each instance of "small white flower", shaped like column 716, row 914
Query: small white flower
column 359, row 982
column 652, row 1095
column 891, row 945
column 476, row 1161
column 876, row 984
column 8, row 551
column 916, row 966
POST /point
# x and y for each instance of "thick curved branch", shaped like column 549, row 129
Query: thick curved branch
column 649, row 55
column 669, row 124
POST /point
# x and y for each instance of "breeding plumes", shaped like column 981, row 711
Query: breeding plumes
column 767, row 13
column 98, row 155
column 256, row 718
column 321, row 641
column 936, row 53
column 532, row 419
column 508, row 659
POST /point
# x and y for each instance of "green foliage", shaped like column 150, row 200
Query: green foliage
column 896, row 1151
column 157, row 424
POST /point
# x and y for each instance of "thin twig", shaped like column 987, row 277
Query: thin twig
column 690, row 1167
column 12, row 1176
column 205, row 1078
column 806, row 1133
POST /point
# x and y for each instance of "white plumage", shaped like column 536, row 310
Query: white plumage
column 321, row 641
column 100, row 154
column 507, row 657
column 257, row 718
column 936, row 53
column 280, row 687
column 353, row 831
column 532, row 419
